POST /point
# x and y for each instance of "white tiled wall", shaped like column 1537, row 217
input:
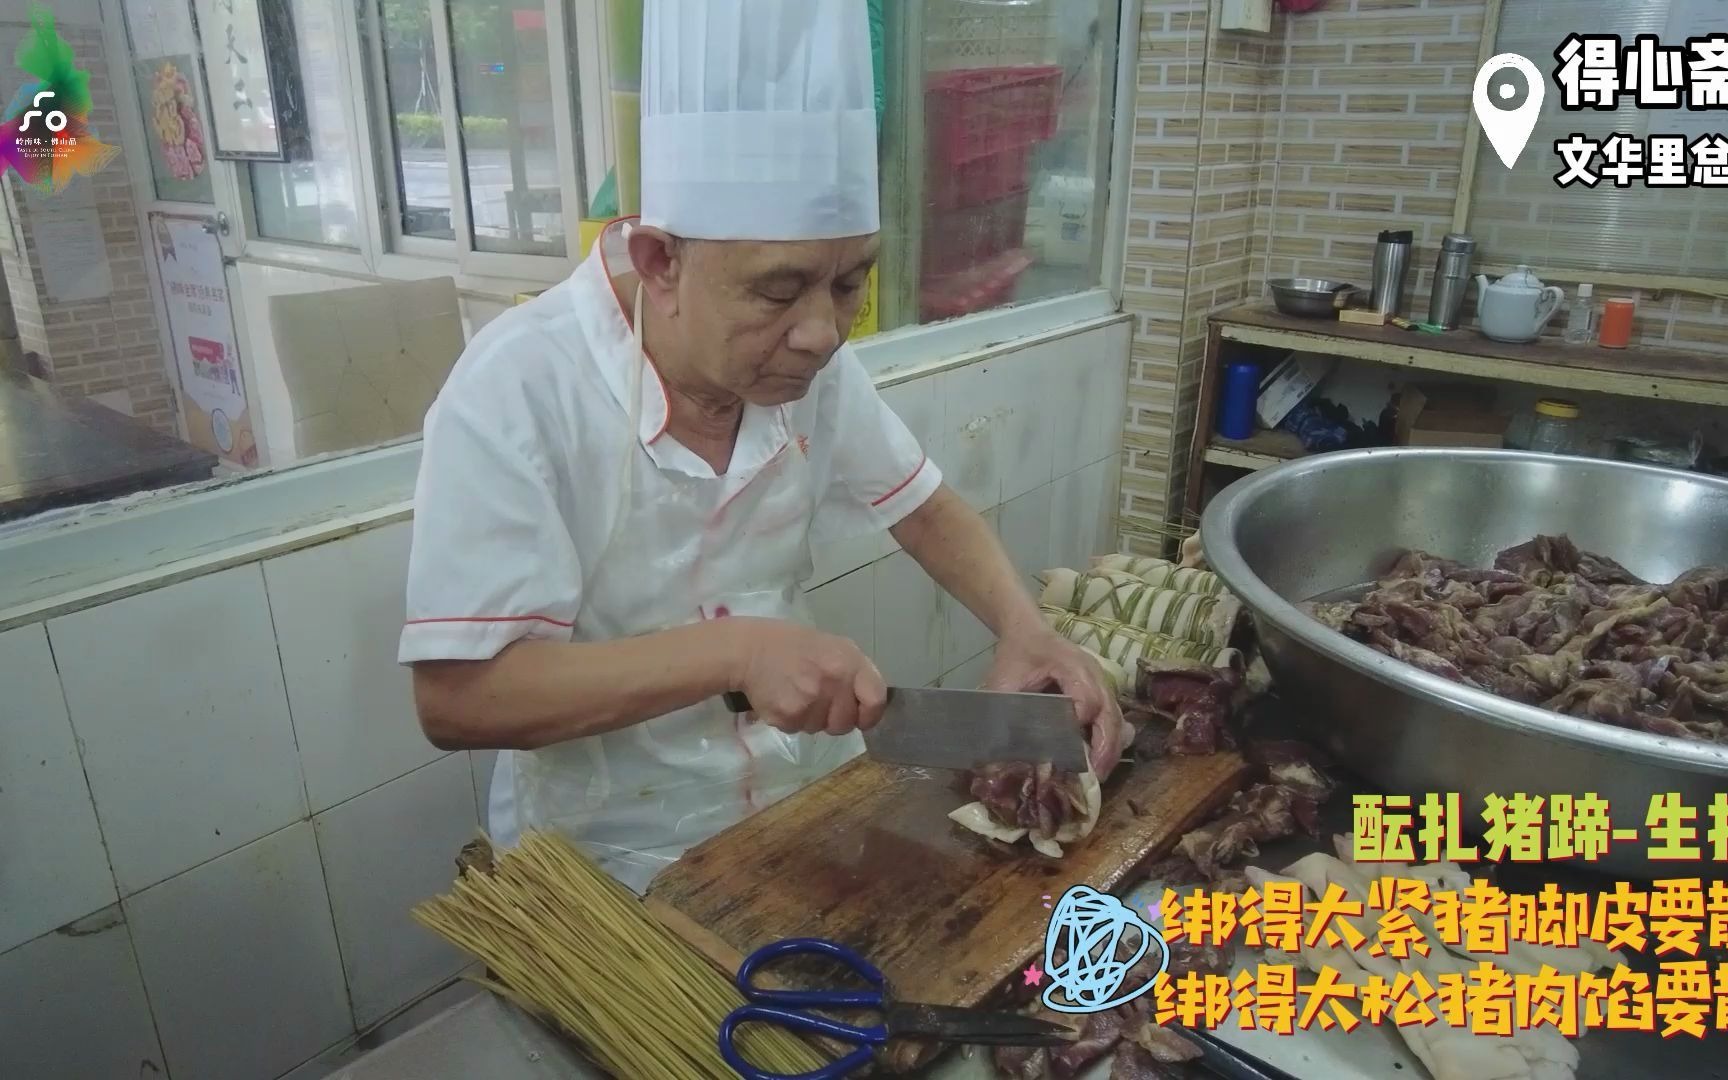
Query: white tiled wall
column 177, row 698
column 1032, row 439
column 337, row 619
column 218, row 807
column 254, row 923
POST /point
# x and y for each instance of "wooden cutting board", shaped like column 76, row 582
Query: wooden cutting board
column 867, row 857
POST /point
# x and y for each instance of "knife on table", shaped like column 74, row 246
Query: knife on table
column 966, row 729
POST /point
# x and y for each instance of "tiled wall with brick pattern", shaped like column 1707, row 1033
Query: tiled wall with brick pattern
column 1362, row 112
column 1370, row 121
column 111, row 344
column 1206, row 110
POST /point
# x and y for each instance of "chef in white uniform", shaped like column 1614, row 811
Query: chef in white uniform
column 622, row 478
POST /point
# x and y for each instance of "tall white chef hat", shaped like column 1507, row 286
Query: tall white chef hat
column 758, row 119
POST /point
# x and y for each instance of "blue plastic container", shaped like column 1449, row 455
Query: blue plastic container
column 1241, row 392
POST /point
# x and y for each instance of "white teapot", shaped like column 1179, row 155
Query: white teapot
column 1516, row 307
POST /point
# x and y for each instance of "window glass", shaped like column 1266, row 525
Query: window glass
column 1016, row 107
column 170, row 98
column 997, row 118
column 413, row 90
column 314, row 201
column 509, row 146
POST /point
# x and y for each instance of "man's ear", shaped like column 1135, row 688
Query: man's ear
column 659, row 259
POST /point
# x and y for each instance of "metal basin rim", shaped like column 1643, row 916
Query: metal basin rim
column 1218, row 529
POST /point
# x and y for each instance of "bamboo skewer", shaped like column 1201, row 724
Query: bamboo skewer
column 569, row 943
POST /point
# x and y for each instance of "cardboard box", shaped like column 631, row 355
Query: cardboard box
column 1289, row 384
column 1449, row 416
column 1361, row 317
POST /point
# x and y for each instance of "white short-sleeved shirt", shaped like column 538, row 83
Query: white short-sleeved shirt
column 523, row 463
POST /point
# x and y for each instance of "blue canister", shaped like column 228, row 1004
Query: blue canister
column 1241, row 392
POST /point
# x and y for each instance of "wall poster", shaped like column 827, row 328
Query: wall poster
column 201, row 322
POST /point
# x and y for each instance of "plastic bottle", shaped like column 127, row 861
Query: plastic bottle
column 1580, row 316
column 1241, row 392
column 1616, row 330
column 1555, row 427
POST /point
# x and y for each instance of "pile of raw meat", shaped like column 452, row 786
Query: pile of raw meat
column 1178, row 708
column 1560, row 628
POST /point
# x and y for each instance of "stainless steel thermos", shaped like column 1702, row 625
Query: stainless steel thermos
column 1451, row 280
column 1391, row 268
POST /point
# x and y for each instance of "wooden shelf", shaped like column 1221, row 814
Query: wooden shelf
column 1641, row 371
column 1260, row 450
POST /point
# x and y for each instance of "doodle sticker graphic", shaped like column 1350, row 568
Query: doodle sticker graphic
column 1080, row 952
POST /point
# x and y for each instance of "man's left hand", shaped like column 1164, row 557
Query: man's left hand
column 1037, row 660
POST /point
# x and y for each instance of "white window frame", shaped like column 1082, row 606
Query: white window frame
column 359, row 259
column 97, row 552
column 383, row 250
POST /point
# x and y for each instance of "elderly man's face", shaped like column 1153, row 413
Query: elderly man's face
column 759, row 320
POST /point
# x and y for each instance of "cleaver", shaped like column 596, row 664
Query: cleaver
column 965, row 729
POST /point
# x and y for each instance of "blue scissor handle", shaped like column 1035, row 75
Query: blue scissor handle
column 866, row 1038
column 855, row 999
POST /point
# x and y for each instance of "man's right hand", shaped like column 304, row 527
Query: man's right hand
column 801, row 680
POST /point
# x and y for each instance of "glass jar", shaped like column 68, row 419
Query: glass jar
column 1554, row 428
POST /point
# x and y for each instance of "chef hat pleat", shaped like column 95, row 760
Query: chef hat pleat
column 758, row 119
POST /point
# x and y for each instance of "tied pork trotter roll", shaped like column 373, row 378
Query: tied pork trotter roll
column 1020, row 800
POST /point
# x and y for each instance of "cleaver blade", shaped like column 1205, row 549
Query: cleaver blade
column 966, row 729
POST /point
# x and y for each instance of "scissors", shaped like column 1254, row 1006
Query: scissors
column 1223, row 1059
column 788, row 1009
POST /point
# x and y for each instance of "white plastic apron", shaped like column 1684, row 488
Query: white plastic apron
column 679, row 552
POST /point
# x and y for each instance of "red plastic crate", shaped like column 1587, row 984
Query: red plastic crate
column 981, row 180
column 987, row 286
column 957, row 239
column 984, row 111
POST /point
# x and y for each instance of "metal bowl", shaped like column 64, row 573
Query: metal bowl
column 1318, row 525
column 1310, row 297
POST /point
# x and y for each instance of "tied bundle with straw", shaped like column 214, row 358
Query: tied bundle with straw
column 1127, row 645
column 1164, row 574
column 570, row 944
column 1119, row 597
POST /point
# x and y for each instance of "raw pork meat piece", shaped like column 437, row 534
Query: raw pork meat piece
column 1017, row 800
column 1197, row 698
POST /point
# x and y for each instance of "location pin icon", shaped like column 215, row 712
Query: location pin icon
column 1508, row 101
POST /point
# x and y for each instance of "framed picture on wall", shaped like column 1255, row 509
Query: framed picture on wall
column 174, row 128
column 246, row 49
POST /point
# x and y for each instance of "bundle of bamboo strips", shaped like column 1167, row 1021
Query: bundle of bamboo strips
column 569, row 943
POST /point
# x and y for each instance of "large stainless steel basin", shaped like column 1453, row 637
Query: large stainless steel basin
column 1316, row 525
